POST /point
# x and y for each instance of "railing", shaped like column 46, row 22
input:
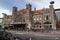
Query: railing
column 19, row 23
column 37, row 28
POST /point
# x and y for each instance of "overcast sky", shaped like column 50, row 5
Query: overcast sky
column 6, row 5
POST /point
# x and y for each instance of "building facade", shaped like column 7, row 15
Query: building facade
column 1, row 21
column 43, row 19
column 7, row 20
column 36, row 19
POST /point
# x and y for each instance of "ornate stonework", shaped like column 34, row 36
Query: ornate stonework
column 36, row 19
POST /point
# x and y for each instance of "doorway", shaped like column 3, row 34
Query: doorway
column 20, row 26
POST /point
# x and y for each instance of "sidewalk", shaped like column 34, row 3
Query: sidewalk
column 49, row 34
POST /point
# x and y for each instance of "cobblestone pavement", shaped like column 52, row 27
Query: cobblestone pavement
column 50, row 34
column 27, row 36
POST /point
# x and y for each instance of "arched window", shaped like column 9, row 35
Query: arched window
column 47, row 17
column 40, row 26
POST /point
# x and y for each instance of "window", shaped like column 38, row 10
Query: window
column 37, row 18
column 40, row 26
column 47, row 22
column 34, row 19
column 47, row 17
column 40, row 18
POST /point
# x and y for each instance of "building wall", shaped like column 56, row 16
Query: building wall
column 1, row 20
column 48, row 20
column 37, row 21
column 45, row 20
column 23, row 17
column 57, row 12
column 7, row 19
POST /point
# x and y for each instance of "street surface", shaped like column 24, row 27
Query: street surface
column 36, row 35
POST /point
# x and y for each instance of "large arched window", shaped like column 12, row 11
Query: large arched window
column 37, row 23
column 47, row 22
column 47, row 17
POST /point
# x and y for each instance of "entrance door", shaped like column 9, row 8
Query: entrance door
column 20, row 26
column 48, row 28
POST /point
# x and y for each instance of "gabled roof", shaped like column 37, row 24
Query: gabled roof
column 22, row 10
column 34, row 12
column 37, row 11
